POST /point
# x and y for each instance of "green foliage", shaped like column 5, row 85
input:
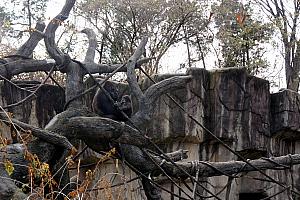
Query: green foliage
column 241, row 36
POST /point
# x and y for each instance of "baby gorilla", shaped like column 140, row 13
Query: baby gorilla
column 105, row 108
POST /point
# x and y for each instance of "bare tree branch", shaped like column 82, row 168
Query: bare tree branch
column 131, row 76
column 208, row 169
column 27, row 48
column 45, row 135
column 90, row 54
column 99, row 129
column 107, row 68
column 52, row 49
column 147, row 102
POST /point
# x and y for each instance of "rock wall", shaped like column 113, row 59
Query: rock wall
column 236, row 107
column 38, row 110
column 239, row 109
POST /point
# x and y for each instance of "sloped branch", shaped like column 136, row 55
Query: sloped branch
column 147, row 102
column 27, row 48
column 20, row 62
column 45, row 135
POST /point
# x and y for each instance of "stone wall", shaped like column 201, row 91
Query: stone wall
column 233, row 105
column 39, row 109
column 239, row 109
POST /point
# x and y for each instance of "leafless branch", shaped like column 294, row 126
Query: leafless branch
column 98, row 129
column 27, row 48
column 90, row 54
column 45, row 135
column 131, row 76
column 52, row 49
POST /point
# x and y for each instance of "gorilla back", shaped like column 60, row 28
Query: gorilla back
column 105, row 108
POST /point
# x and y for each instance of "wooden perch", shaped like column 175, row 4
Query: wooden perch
column 209, row 169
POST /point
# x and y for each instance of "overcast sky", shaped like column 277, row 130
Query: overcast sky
column 177, row 55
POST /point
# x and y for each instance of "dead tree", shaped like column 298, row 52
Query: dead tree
column 54, row 143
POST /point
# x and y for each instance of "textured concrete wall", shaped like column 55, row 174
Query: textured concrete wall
column 233, row 105
column 37, row 110
column 239, row 109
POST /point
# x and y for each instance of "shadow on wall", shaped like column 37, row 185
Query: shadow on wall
column 252, row 196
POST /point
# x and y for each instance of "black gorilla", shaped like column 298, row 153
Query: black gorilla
column 105, row 108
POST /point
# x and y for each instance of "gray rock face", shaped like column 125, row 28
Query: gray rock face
column 239, row 109
column 285, row 111
column 48, row 101
column 232, row 104
column 236, row 107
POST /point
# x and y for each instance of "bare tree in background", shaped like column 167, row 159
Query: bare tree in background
column 285, row 15
column 121, row 25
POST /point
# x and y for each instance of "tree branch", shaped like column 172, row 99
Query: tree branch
column 99, row 128
column 52, row 49
column 209, row 169
column 107, row 68
column 24, row 66
column 27, row 48
column 147, row 102
column 90, row 54
column 131, row 76
column 45, row 135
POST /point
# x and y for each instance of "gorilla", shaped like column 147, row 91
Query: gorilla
column 105, row 108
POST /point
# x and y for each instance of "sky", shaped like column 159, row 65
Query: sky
column 178, row 54
column 171, row 61
column 53, row 8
